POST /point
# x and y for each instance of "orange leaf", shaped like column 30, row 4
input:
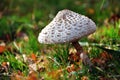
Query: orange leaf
column 15, row 76
column 84, row 78
column 4, row 64
column 74, row 57
column 33, row 56
column 71, row 68
column 2, row 49
column 32, row 76
column 55, row 74
column 20, row 73
column 90, row 11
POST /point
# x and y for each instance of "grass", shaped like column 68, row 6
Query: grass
column 94, row 52
column 57, row 57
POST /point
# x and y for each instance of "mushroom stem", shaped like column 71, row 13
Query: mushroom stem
column 84, row 57
column 77, row 47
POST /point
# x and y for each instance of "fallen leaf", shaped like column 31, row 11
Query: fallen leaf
column 2, row 47
column 71, row 68
column 98, row 61
column 20, row 73
column 33, row 67
column 25, row 57
column 32, row 76
column 90, row 11
column 16, row 76
column 103, row 78
column 5, row 66
column 55, row 74
column 84, row 78
column 74, row 57
column 33, row 56
column 105, row 56
column 72, row 50
column 114, row 18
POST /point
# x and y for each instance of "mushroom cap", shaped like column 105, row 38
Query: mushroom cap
column 67, row 26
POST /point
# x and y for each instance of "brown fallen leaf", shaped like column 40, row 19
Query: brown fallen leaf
column 55, row 74
column 114, row 18
column 103, row 78
column 105, row 56
column 16, row 76
column 5, row 65
column 20, row 73
column 98, row 61
column 90, row 11
column 71, row 68
column 74, row 57
column 102, row 59
column 84, row 78
column 32, row 76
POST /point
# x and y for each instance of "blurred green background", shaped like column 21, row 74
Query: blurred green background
column 46, row 9
column 38, row 13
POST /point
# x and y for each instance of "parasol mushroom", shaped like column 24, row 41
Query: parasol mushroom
column 68, row 27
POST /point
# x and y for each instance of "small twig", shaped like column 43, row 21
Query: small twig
column 4, row 74
column 17, row 46
column 54, row 60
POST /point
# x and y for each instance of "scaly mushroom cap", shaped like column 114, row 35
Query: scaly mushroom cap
column 67, row 26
